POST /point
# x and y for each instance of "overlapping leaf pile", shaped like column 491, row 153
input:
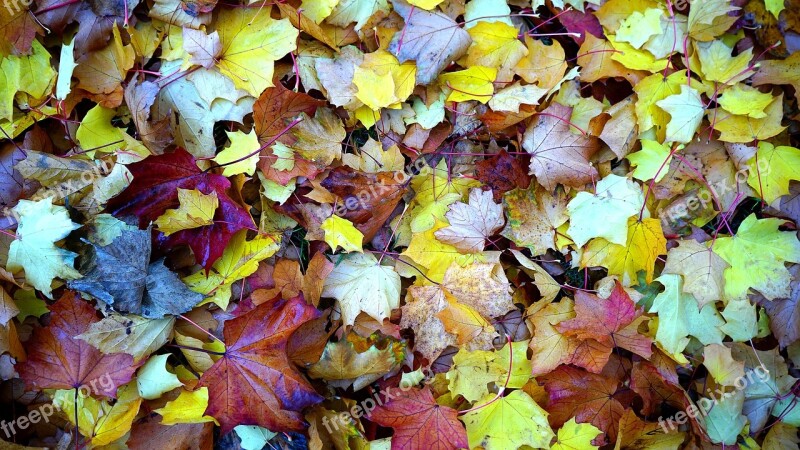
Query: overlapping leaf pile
column 372, row 224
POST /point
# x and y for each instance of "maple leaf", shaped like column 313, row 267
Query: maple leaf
column 576, row 436
column 471, row 224
column 679, row 317
column 654, row 390
column 502, row 173
column 251, row 41
column 419, row 422
column 58, row 360
column 756, row 255
column 645, row 243
column 154, row 190
column 41, row 225
column 783, row 165
column 360, row 283
column 430, row 39
column 618, row 197
column 614, row 324
column 557, row 154
column 122, row 275
column 701, row 268
column 19, row 29
column 343, row 365
column 367, row 200
column 511, row 421
column 254, row 382
column 136, row 336
column 588, row 397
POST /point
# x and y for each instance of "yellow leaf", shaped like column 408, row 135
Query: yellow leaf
column 472, row 372
column 361, row 284
column 509, row 422
column 651, row 162
column 196, row 210
column 154, row 379
column 475, row 83
column 633, row 58
column 685, row 111
column 637, row 28
column 432, row 184
column 375, row 90
column 718, row 65
column 645, row 243
column 340, row 232
column 382, row 81
column 744, row 100
column 318, row 10
column 31, row 74
column 189, row 407
column 495, row 44
column 771, row 170
column 118, row 420
column 742, row 129
column 709, row 19
column 576, row 436
column 775, row 7
column 41, row 225
column 95, row 133
column 241, row 146
column 251, row 43
column 433, row 255
column 651, row 90
column 544, row 65
column 89, row 409
column 239, row 260
column 425, row 4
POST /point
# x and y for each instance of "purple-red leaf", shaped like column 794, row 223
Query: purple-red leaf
column 154, row 190
column 254, row 383
column 58, row 360
column 421, row 423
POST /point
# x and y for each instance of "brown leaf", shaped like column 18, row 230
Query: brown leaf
column 366, row 199
column 503, row 172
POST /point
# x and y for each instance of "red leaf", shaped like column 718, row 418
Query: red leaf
column 154, row 190
column 580, row 22
column 586, row 396
column 18, row 28
column 655, row 390
column 58, row 360
column 503, row 172
column 612, row 322
column 421, row 423
column 254, row 383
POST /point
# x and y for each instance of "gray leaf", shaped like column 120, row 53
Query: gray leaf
column 118, row 271
column 121, row 275
column 166, row 293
